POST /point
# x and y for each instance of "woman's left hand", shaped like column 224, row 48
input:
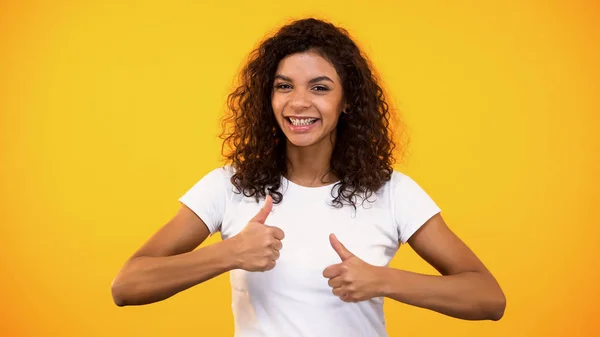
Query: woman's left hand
column 353, row 280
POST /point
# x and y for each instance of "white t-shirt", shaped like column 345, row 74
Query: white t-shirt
column 294, row 299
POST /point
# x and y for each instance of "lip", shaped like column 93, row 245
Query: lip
column 300, row 117
column 300, row 128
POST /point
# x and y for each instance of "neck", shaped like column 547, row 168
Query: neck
column 310, row 165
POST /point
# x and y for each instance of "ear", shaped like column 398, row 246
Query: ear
column 345, row 106
column 346, row 109
column 344, row 103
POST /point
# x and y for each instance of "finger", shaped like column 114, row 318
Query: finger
column 277, row 232
column 336, row 282
column 344, row 295
column 270, row 265
column 339, row 248
column 264, row 212
column 277, row 244
column 339, row 291
column 275, row 254
column 332, row 271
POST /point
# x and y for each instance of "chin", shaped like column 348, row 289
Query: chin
column 301, row 141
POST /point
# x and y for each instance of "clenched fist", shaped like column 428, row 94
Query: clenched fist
column 352, row 280
column 257, row 246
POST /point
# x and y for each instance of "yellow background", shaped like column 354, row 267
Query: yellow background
column 110, row 112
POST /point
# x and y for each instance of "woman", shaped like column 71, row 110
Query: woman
column 309, row 208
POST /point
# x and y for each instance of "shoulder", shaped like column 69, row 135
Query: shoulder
column 397, row 176
column 222, row 173
column 399, row 180
column 407, row 193
column 412, row 206
column 404, row 189
column 218, row 179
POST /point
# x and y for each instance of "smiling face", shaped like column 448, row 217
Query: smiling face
column 307, row 99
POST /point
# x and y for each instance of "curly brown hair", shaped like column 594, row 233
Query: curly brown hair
column 254, row 144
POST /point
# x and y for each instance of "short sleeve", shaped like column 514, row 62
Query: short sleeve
column 412, row 206
column 208, row 197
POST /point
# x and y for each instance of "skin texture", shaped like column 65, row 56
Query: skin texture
column 307, row 85
column 168, row 264
column 465, row 289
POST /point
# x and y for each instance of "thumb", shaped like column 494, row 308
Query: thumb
column 339, row 248
column 264, row 212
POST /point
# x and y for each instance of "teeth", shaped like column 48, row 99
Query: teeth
column 302, row 121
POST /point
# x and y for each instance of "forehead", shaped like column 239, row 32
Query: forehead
column 306, row 65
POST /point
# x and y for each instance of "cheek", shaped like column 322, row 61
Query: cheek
column 330, row 108
column 276, row 104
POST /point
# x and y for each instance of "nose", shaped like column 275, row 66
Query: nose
column 299, row 100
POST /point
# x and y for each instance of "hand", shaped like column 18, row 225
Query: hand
column 257, row 246
column 353, row 280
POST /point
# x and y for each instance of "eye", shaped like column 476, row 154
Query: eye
column 320, row 88
column 283, row 86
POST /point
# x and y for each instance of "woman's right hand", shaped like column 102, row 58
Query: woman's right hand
column 256, row 247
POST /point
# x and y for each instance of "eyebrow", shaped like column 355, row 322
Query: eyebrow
column 314, row 80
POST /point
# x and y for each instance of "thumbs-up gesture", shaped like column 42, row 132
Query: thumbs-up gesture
column 257, row 246
column 352, row 280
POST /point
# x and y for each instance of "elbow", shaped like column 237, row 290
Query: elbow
column 118, row 293
column 122, row 287
column 128, row 291
column 496, row 307
column 119, row 301
column 493, row 300
column 499, row 309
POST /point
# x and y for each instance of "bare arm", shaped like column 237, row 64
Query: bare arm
column 466, row 289
column 167, row 264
